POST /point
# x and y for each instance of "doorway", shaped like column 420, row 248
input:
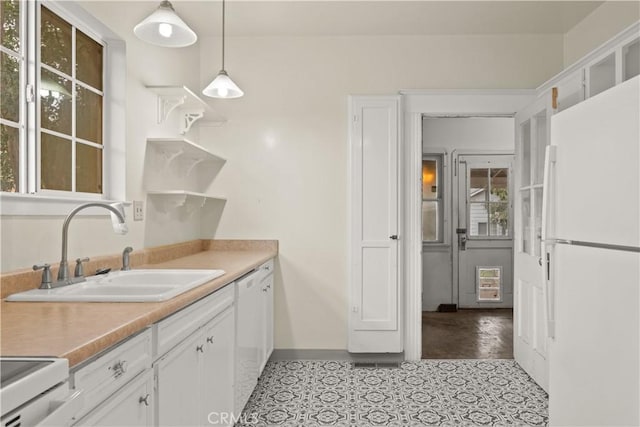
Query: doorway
column 467, row 235
column 483, row 243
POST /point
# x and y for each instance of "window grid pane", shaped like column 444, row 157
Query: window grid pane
column 55, row 41
column 88, row 169
column 89, row 115
column 429, row 179
column 430, row 221
column 9, row 159
column 10, row 25
column 55, row 102
column 55, row 162
column 88, row 60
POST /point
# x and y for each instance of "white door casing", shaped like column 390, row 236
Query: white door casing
column 530, row 292
column 416, row 104
column 374, row 324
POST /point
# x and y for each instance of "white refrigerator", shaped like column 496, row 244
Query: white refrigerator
column 591, row 245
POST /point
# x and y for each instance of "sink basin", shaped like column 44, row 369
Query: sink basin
column 124, row 286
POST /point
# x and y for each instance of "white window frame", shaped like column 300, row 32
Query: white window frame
column 31, row 200
column 440, row 231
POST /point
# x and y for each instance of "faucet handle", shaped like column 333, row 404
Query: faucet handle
column 126, row 265
column 46, row 275
column 79, row 271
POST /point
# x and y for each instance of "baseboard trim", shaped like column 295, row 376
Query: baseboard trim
column 317, row 354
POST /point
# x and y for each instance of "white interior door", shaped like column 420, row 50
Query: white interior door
column 530, row 334
column 484, row 231
column 374, row 309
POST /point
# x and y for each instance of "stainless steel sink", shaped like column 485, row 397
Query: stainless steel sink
column 125, row 286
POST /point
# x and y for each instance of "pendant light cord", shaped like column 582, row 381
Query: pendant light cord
column 222, row 35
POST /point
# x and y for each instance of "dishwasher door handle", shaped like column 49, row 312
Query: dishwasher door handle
column 66, row 409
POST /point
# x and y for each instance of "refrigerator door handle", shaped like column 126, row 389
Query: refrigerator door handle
column 549, row 158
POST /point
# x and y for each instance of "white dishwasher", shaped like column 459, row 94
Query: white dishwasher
column 34, row 391
column 247, row 338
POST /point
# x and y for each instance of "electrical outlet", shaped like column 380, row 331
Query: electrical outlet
column 138, row 210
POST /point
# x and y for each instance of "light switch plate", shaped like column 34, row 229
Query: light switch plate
column 138, row 210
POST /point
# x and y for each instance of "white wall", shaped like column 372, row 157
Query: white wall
column 606, row 21
column 286, row 145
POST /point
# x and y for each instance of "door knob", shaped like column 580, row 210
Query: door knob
column 394, row 237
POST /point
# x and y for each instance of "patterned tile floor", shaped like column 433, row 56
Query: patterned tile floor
column 425, row 393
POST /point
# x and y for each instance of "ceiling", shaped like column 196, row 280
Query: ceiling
column 303, row 18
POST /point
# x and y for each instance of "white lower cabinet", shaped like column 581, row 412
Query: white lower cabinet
column 194, row 379
column 197, row 367
column 132, row 405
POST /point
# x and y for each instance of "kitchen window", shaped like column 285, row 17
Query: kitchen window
column 57, row 78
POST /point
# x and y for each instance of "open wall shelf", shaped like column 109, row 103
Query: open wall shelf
column 174, row 199
column 187, row 104
column 183, row 155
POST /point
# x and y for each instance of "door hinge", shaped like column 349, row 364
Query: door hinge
column 355, row 118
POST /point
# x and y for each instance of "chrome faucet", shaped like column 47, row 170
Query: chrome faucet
column 119, row 226
column 126, row 266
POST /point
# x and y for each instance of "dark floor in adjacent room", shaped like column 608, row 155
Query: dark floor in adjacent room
column 468, row 334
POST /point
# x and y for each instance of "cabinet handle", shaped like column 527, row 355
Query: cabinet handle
column 269, row 286
column 144, row 400
column 119, row 368
column 200, row 348
column 264, row 289
column 210, row 340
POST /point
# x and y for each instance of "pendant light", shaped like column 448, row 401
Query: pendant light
column 222, row 86
column 165, row 28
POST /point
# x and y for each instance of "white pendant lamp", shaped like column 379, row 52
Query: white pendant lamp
column 222, row 86
column 165, row 28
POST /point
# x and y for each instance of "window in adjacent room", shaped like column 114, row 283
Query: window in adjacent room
column 432, row 202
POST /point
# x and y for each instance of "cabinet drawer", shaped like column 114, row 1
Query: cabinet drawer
column 265, row 269
column 106, row 374
column 131, row 406
column 173, row 329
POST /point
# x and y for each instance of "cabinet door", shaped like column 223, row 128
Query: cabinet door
column 266, row 347
column 178, row 393
column 129, row 406
column 217, row 370
column 374, row 325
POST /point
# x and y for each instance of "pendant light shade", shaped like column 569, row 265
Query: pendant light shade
column 222, row 86
column 165, row 28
